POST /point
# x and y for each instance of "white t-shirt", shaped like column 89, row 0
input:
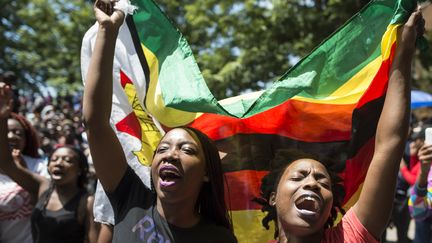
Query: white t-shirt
column 16, row 207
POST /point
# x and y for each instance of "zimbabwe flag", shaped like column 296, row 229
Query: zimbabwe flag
column 328, row 104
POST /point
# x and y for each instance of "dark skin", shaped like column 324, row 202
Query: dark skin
column 425, row 157
column 176, row 199
column 303, row 178
column 306, row 223
column 63, row 168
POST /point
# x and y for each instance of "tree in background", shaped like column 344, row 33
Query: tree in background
column 40, row 40
column 239, row 45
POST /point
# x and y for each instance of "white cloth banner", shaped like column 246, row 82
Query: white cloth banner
column 127, row 108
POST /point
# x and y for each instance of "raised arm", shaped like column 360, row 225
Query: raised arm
column 28, row 180
column 106, row 151
column 374, row 206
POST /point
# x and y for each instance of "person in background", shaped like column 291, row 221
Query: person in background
column 420, row 201
column 63, row 211
column 10, row 78
column 411, row 171
column 16, row 204
column 408, row 172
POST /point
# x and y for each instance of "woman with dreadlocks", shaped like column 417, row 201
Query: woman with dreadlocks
column 305, row 198
column 270, row 182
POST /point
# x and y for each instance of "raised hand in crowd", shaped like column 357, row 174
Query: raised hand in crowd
column 63, row 210
column 425, row 157
column 18, row 158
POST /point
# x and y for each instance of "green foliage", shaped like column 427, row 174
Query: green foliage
column 239, row 45
column 41, row 40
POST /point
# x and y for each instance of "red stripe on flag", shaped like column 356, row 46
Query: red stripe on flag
column 243, row 187
column 378, row 86
column 356, row 168
column 300, row 120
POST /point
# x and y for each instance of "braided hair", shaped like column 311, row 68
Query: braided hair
column 271, row 181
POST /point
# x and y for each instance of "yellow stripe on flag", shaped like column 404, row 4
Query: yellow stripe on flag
column 248, row 227
column 351, row 91
column 154, row 101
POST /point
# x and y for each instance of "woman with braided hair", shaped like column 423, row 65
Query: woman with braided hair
column 186, row 200
column 270, row 182
column 305, row 194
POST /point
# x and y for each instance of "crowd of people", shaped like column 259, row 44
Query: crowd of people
column 47, row 182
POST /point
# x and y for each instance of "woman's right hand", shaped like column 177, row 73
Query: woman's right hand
column 425, row 157
column 5, row 101
column 107, row 16
column 415, row 147
column 18, row 158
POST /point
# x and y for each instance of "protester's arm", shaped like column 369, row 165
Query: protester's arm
column 28, row 180
column 420, row 201
column 374, row 206
column 106, row 151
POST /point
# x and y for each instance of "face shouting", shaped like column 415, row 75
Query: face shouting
column 16, row 135
column 64, row 166
column 178, row 167
column 303, row 198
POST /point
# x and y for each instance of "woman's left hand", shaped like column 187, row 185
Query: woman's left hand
column 413, row 29
column 5, row 101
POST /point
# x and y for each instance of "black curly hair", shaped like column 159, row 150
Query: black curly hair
column 270, row 182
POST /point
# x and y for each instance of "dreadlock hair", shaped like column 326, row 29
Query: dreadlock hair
column 210, row 202
column 271, row 181
column 268, row 183
column 82, row 164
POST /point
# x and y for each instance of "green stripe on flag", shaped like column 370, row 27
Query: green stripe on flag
column 317, row 76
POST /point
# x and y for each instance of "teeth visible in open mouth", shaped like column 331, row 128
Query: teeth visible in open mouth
column 308, row 203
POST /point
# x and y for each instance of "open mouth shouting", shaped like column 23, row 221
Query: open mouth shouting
column 57, row 174
column 169, row 175
column 309, row 205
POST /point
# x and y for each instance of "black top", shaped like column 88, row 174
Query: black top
column 57, row 226
column 137, row 220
